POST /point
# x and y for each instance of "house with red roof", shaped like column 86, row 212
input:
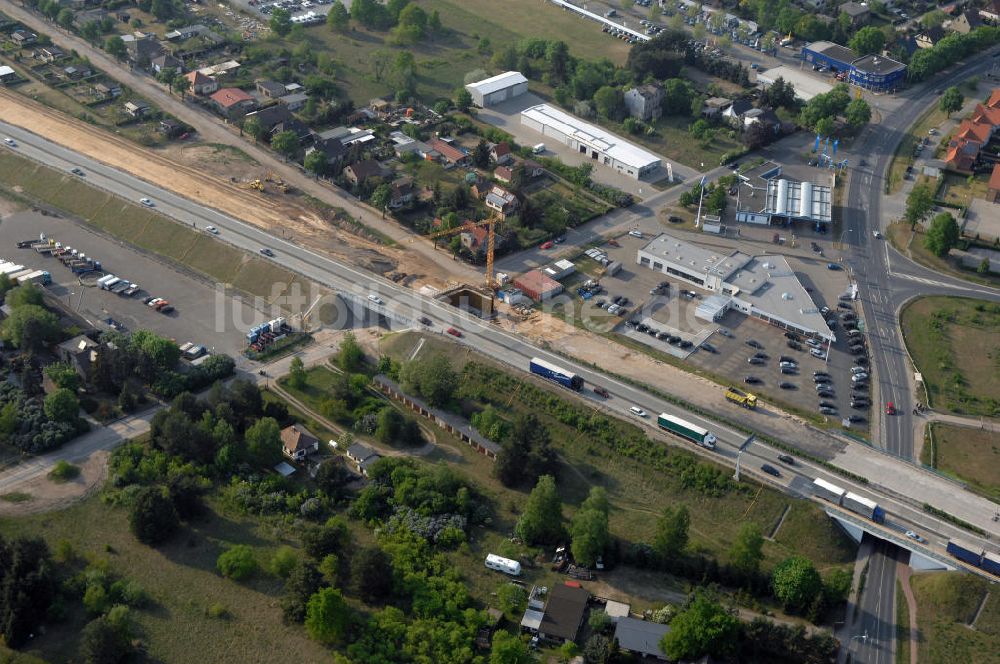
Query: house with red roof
column 994, row 193
column 994, row 100
column 987, row 115
column 450, row 155
column 474, row 238
column 500, row 154
column 200, row 84
column 233, row 102
column 503, row 173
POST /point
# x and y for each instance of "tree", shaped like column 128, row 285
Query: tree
column 22, row 295
column 62, row 406
column 951, row 101
column 942, row 236
column 558, row 58
column 672, row 532
column 315, row 163
column 463, row 99
column 371, row 574
column 253, row 128
column 389, row 424
column 677, row 95
column 153, row 518
column 237, row 563
column 704, row 627
column 285, row 143
column 115, row 46
column 597, row 649
column 526, row 453
column 858, row 113
column 481, row 154
column 302, row 584
column 542, row 519
column 63, row 375
column 748, row 549
column 432, row 378
column 101, row 642
column 27, row 588
column 757, row 135
column 824, row 126
column 984, row 266
column 338, row 18
column 281, row 21
column 609, row 102
column 350, row 355
column 867, row 40
column 511, row 598
column 328, row 616
column 297, row 373
column 332, row 478
column 30, row 328
column 796, row 583
column 381, row 197
column 263, row 442
column 919, row 202
column 509, row 649
column 589, row 528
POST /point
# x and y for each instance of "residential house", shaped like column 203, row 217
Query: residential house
column 402, row 191
column 270, row 89
column 193, row 41
column 7, row 75
column 991, row 12
column 270, row 116
column 297, row 443
column 474, row 238
column 228, row 68
column 765, row 116
column 564, row 613
column 22, row 38
column 294, row 101
column 107, row 90
column 962, row 156
column 967, row 21
column 450, row 155
column 166, row 62
column 297, row 127
column 645, row 102
column 331, row 148
column 200, row 84
column 141, row 49
column 734, row 114
column 929, row 37
column 503, row 173
column 857, row 12
column 233, row 102
column 363, row 456
column 975, row 131
column 503, row 202
column 715, row 105
column 987, row 115
column 170, row 127
column 382, row 107
column 641, row 637
column 360, row 171
column 86, row 16
column 994, row 100
column 479, row 186
column 994, row 185
column 188, row 32
column 501, row 154
column 49, row 54
column 79, row 352
column 73, row 73
column 136, row 109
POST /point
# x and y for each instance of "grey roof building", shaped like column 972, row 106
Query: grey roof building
column 641, row 637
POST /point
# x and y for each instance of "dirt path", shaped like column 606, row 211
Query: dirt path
column 903, row 572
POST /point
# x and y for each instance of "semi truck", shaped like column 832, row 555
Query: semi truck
column 14, row 276
column 10, row 268
column 37, row 277
column 742, row 398
column 685, row 429
column 552, row 372
column 851, row 502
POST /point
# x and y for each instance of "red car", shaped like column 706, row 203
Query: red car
column 890, row 408
column 453, row 332
column 547, row 245
column 601, row 392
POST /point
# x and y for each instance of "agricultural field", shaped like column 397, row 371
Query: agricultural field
column 954, row 344
column 971, row 455
column 946, row 605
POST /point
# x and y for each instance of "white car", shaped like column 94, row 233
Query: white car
column 813, row 343
column 10, row 141
column 877, row 235
column 638, row 412
column 913, row 536
column 858, row 370
column 859, row 377
column 212, row 229
column 155, row 301
column 376, row 299
column 147, row 202
column 816, row 352
column 637, row 234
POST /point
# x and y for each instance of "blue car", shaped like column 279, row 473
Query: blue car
column 832, row 266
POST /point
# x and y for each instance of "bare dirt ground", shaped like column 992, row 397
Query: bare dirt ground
column 46, row 495
column 9, row 207
column 204, row 172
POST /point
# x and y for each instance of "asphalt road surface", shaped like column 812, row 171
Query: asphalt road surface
column 874, row 638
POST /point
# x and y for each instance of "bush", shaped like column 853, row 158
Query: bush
column 283, row 562
column 238, row 563
column 217, row 610
column 153, row 518
column 64, row 471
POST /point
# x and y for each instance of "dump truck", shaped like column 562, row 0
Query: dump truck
column 685, row 429
column 740, row 397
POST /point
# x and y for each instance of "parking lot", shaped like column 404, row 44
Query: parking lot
column 671, row 313
column 202, row 314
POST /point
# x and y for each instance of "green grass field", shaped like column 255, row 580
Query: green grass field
column 673, row 141
column 902, row 626
column 147, row 230
column 971, row 455
column 639, row 494
column 946, row 603
column 955, row 346
column 182, row 580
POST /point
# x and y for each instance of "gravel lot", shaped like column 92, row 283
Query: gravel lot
column 203, row 315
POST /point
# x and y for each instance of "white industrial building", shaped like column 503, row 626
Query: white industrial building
column 497, row 89
column 600, row 145
column 764, row 287
column 798, row 201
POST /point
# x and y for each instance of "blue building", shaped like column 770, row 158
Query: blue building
column 834, row 57
column 878, row 73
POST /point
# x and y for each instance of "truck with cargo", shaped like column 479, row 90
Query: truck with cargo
column 864, row 507
column 965, row 551
column 685, row 429
column 14, row 276
column 45, row 249
column 505, row 565
column 991, row 563
column 828, row 491
column 105, row 279
column 11, row 268
column 85, row 266
column 37, row 277
column 742, row 398
column 25, row 244
column 553, row 372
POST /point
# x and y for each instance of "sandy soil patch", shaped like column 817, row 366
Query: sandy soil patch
column 46, row 495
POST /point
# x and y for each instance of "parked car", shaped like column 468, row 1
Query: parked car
column 855, row 419
column 857, row 378
column 828, row 411
column 709, row 347
column 790, row 371
column 547, row 245
column 794, row 345
column 751, row 380
column 753, row 343
column 754, row 360
column 788, row 386
column 816, row 352
column 635, row 233
column 821, row 379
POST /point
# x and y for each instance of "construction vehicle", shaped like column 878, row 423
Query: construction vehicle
column 253, row 184
column 277, row 182
column 740, row 397
column 490, row 223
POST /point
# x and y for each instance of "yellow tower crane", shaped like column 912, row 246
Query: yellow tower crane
column 490, row 223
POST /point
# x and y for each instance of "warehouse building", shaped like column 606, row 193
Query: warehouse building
column 878, row 73
column 764, row 288
column 538, row 286
column 600, row 145
column 497, row 89
column 827, row 54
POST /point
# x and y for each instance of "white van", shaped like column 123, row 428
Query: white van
column 538, row 149
column 638, row 412
column 505, row 565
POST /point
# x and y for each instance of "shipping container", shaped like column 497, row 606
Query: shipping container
column 10, row 268
column 14, row 276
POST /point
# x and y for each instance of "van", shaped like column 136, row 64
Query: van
column 638, row 412
column 504, row 565
column 538, row 149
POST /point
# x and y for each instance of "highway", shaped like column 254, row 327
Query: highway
column 874, row 638
column 404, row 306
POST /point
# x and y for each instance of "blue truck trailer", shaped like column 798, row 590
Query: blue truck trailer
column 540, row 367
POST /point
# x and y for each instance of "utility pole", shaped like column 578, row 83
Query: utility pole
column 739, row 455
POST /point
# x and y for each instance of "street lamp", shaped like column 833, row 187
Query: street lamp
column 739, row 455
